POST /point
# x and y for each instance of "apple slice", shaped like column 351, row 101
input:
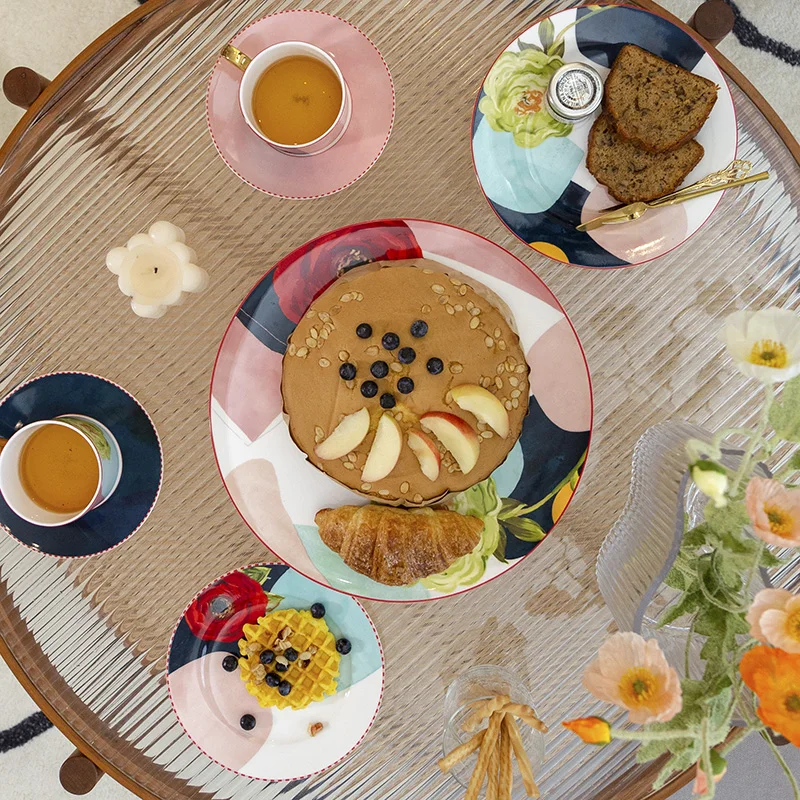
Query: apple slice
column 346, row 436
column 385, row 449
column 456, row 435
column 484, row 405
column 427, row 453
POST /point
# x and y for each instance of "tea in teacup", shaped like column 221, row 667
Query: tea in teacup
column 296, row 100
column 59, row 469
column 54, row 471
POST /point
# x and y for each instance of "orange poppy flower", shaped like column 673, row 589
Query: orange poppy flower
column 774, row 676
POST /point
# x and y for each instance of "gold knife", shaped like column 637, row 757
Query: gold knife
column 633, row 211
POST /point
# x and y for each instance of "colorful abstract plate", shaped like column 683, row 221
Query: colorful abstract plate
column 537, row 181
column 293, row 177
column 211, row 701
column 110, row 524
column 278, row 492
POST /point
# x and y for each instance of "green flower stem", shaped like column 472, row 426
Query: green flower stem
column 688, row 651
column 784, row 766
column 747, row 461
column 653, row 736
column 706, row 759
column 731, row 609
column 752, row 572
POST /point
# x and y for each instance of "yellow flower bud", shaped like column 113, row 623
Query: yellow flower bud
column 712, row 480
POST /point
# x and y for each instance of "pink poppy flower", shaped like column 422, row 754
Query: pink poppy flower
column 774, row 619
column 634, row 674
column 774, row 511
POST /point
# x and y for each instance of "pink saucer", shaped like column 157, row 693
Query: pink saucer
column 292, row 177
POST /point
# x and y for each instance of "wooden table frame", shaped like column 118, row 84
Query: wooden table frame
column 636, row 788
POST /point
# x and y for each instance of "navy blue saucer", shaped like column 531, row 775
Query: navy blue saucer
column 124, row 512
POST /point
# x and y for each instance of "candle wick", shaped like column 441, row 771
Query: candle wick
column 155, row 270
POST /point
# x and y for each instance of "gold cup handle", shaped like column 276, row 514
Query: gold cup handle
column 236, row 57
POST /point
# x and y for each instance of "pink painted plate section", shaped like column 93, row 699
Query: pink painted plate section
column 292, row 177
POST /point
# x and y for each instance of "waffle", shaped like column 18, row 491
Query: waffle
column 311, row 679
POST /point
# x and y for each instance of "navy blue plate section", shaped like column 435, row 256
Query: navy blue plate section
column 601, row 37
column 124, row 512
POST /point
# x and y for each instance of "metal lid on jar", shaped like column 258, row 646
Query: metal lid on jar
column 574, row 92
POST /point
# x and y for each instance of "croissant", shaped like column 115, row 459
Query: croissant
column 397, row 546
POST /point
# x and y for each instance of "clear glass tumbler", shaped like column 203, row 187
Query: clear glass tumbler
column 481, row 683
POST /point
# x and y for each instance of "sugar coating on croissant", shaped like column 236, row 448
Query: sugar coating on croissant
column 397, row 546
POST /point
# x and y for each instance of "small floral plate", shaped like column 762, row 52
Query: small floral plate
column 293, row 177
column 532, row 169
column 278, row 492
column 226, row 722
column 119, row 517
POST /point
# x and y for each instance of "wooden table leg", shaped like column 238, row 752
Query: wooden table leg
column 713, row 20
column 22, row 86
column 78, row 774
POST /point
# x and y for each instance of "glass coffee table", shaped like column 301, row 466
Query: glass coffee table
column 118, row 141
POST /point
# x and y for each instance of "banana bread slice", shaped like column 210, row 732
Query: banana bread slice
column 632, row 174
column 655, row 104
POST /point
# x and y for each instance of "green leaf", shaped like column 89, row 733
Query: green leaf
column 679, row 762
column 770, row 560
column 557, row 50
column 697, row 536
column 525, row 46
column 728, row 519
column 547, row 33
column 273, row 601
column 794, row 462
column 676, row 579
column 500, row 550
column 784, row 416
column 719, row 707
column 258, row 574
column 524, row 529
column 688, row 603
column 649, row 750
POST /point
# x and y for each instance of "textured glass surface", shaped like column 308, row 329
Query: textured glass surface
column 126, row 144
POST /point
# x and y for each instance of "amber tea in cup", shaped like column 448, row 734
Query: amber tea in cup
column 296, row 100
column 58, row 469
column 54, row 471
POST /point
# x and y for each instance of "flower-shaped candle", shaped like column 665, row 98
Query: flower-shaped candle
column 155, row 268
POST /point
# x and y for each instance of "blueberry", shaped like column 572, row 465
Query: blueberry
column 387, row 400
column 290, row 653
column 369, row 388
column 380, row 369
column 272, row 679
column 435, row 366
column 229, row 663
column 364, row 331
column 347, row 372
column 343, row 646
column 281, row 667
column 391, row 341
column 248, row 722
column 284, row 687
column 266, row 657
column 406, row 355
column 318, row 611
column 405, row 386
column 419, row 328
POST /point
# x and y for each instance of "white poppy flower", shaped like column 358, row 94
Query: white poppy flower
column 765, row 344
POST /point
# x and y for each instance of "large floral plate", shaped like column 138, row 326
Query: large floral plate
column 226, row 722
column 278, row 492
column 533, row 169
